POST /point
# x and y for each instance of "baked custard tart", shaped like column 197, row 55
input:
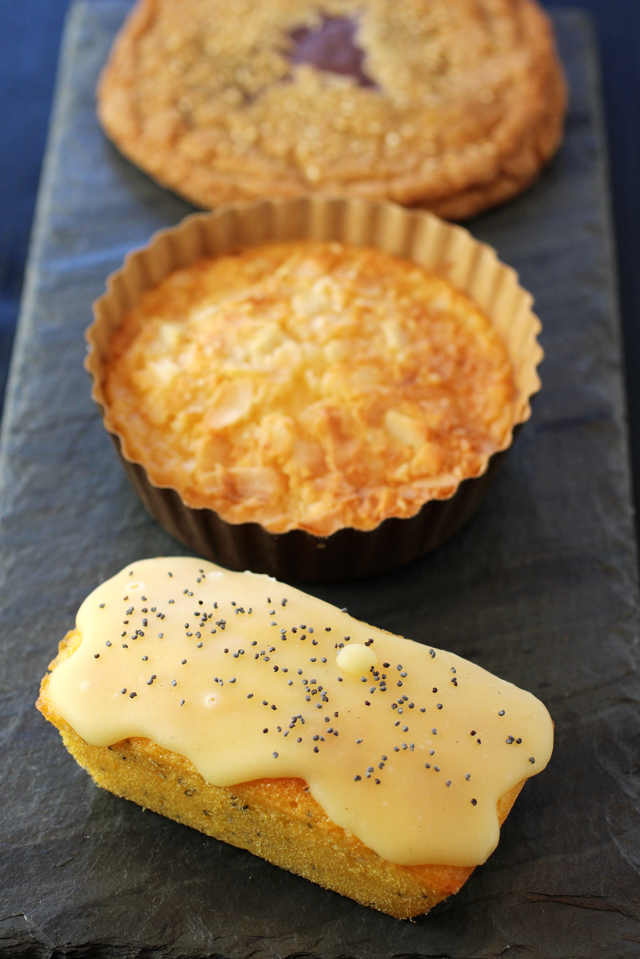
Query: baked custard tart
column 313, row 385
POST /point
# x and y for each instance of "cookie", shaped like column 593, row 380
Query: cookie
column 454, row 106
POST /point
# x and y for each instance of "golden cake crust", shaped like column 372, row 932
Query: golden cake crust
column 309, row 385
column 276, row 819
column 464, row 102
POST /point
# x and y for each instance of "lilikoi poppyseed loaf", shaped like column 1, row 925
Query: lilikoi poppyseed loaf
column 373, row 765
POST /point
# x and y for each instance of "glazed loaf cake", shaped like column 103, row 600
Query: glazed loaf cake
column 374, row 766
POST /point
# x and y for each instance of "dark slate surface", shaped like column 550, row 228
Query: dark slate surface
column 540, row 588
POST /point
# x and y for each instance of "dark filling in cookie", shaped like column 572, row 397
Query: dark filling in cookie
column 331, row 47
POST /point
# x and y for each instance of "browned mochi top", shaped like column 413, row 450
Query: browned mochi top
column 309, row 385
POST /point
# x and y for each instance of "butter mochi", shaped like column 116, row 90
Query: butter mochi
column 309, row 385
column 317, row 389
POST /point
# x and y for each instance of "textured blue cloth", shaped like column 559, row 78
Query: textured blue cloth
column 29, row 40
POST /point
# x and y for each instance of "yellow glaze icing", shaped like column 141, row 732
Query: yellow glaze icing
column 244, row 676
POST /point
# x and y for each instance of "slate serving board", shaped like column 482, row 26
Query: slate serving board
column 540, row 587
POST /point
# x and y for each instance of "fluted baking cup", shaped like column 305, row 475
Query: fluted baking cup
column 442, row 248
